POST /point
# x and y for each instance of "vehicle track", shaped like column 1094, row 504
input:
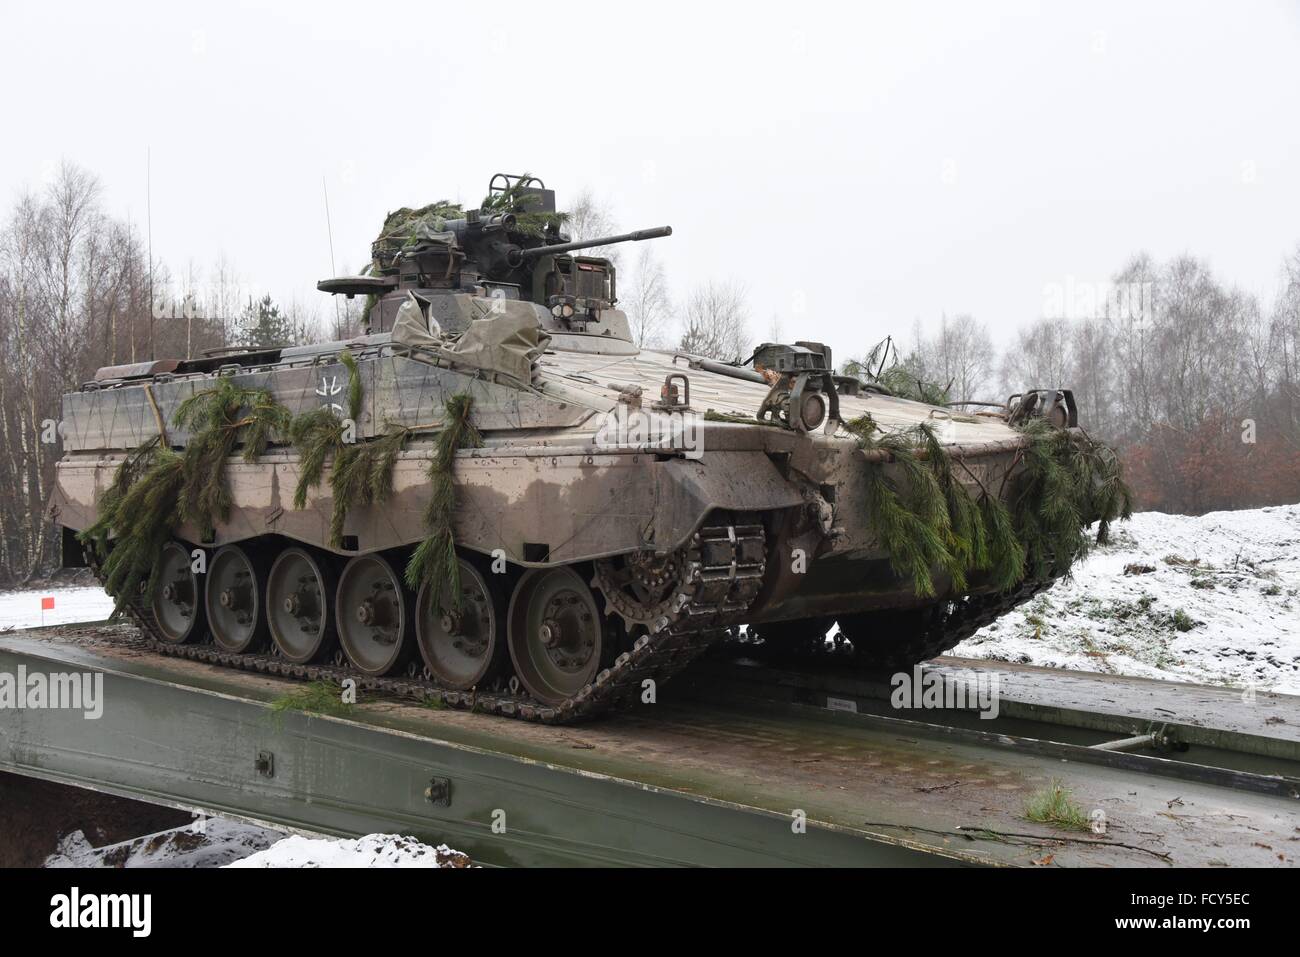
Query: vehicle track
column 725, row 569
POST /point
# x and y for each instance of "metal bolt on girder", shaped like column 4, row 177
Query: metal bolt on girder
column 438, row 793
column 265, row 764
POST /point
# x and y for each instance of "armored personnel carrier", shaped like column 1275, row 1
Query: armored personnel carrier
column 493, row 498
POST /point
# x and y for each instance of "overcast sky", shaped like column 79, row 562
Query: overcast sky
column 857, row 165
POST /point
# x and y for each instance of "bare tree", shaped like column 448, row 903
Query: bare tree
column 716, row 324
column 190, row 307
column 304, row 322
column 21, row 400
column 774, row 330
column 225, row 295
column 645, row 299
column 74, row 296
column 1092, row 374
column 1283, row 370
column 1040, row 358
column 590, row 217
column 72, row 204
column 958, row 356
column 52, row 258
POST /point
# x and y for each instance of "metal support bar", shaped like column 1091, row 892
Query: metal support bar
column 1135, row 743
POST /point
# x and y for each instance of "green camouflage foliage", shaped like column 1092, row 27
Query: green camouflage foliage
column 156, row 489
column 434, row 559
column 927, row 520
column 515, row 200
column 219, row 419
column 363, row 475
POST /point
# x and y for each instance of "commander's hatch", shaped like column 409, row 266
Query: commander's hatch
column 358, row 285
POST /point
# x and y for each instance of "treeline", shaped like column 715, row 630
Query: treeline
column 1194, row 380
column 77, row 293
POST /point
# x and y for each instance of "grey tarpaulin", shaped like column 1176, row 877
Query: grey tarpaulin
column 501, row 338
column 509, row 343
column 411, row 328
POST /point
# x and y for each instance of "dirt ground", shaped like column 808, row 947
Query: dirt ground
column 35, row 814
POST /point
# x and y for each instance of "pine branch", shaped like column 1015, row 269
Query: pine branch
column 434, row 559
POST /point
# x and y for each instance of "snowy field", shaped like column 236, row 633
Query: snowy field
column 1213, row 599
column 22, row 609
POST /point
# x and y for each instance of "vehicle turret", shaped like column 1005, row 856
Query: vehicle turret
column 513, row 246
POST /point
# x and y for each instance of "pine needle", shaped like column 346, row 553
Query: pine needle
column 911, row 522
column 354, row 384
column 156, row 489
column 402, row 229
column 1045, row 503
column 317, row 435
column 383, row 453
column 434, row 559
column 218, row 419
column 516, row 199
column 1068, row 482
column 903, row 383
column 363, row 475
column 1006, row 555
column 137, row 512
column 927, row 520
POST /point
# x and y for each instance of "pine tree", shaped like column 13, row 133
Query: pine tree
column 263, row 326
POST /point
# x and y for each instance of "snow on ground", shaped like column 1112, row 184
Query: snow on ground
column 22, row 609
column 373, row 850
column 220, row 842
column 212, row 842
column 1220, row 604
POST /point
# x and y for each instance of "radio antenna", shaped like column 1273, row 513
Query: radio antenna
column 148, row 208
column 329, row 231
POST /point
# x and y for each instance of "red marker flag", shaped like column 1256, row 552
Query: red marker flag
column 47, row 603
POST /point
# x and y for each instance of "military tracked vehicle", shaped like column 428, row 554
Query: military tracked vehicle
column 493, row 498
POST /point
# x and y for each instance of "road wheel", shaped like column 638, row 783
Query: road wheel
column 374, row 616
column 300, row 605
column 177, row 599
column 554, row 630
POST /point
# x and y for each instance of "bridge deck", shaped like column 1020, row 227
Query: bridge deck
column 681, row 782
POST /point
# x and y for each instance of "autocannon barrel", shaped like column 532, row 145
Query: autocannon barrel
column 520, row 256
